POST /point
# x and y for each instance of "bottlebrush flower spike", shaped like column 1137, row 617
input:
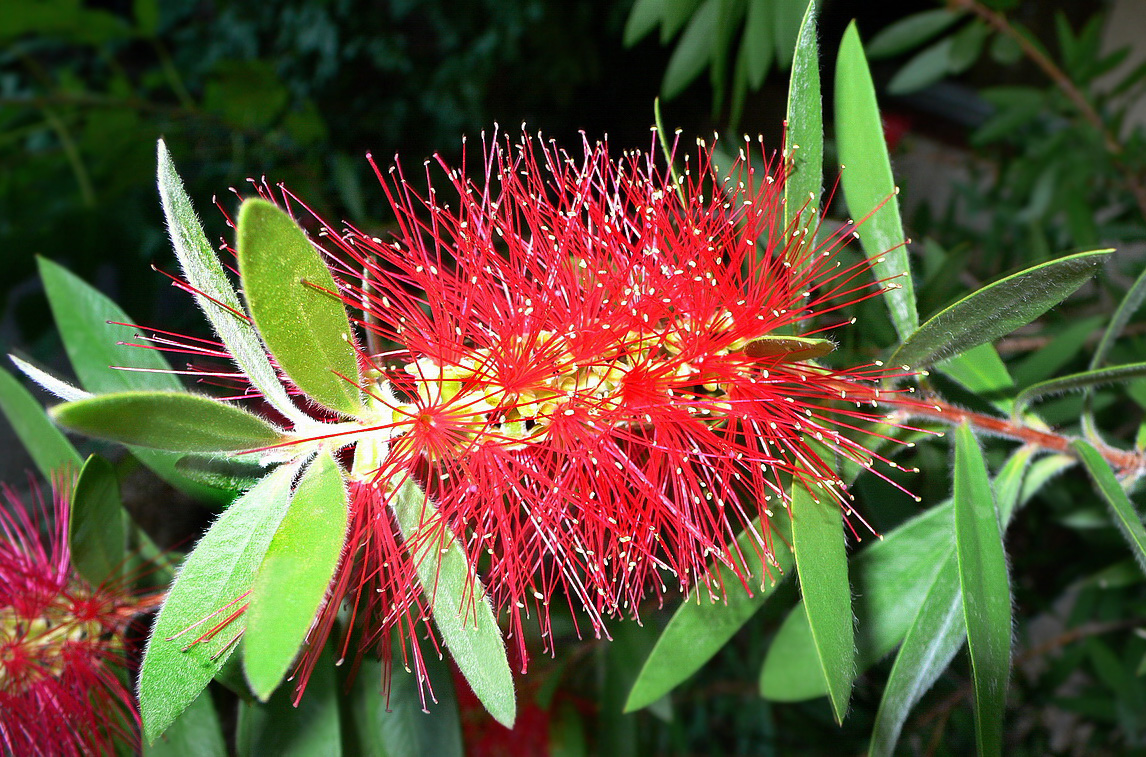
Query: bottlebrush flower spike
column 62, row 683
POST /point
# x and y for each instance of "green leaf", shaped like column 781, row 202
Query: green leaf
column 997, row 309
column 309, row 730
column 699, row 629
column 787, row 18
column 195, row 632
column 97, row 529
column 395, row 723
column 868, row 184
column 982, row 371
column 805, row 135
column 462, row 612
column 821, row 561
column 216, row 296
column 986, row 589
column 935, row 636
column 758, row 43
column 83, row 316
column 1105, row 482
column 793, row 348
column 924, row 69
column 47, row 446
column 910, row 32
column 294, row 301
column 195, row 733
column 1122, row 315
column 693, row 52
column 1076, row 382
column 167, row 420
column 227, row 474
column 967, row 46
column 1061, row 350
column 296, row 571
column 643, row 18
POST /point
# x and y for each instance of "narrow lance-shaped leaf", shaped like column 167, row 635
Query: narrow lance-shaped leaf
column 867, row 180
column 821, row 561
column 47, row 446
column 97, row 528
column 295, row 573
column 909, row 32
column 294, row 302
column 167, row 420
column 701, row 627
column 195, row 733
column 1122, row 315
column 48, row 382
column 938, row 630
column 312, row 729
column 985, row 587
column 1076, row 382
column 997, row 309
column 1125, row 515
column 394, row 722
column 219, row 302
column 804, row 133
column 202, row 619
column 462, row 613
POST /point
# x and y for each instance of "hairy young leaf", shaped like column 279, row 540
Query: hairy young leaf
column 985, row 587
column 804, row 147
column 997, row 309
column 97, row 528
column 294, row 302
column 1125, row 515
column 218, row 299
column 167, row 420
column 1076, row 382
column 200, row 623
column 295, row 573
column 868, row 184
column 462, row 612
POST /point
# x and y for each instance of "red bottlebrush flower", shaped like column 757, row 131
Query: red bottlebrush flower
column 63, row 687
column 586, row 379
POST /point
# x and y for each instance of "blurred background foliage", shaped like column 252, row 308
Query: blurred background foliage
column 1017, row 133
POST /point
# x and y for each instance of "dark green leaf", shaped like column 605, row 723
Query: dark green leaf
column 868, row 183
column 83, row 317
column 805, row 134
column 702, row 626
column 311, row 729
column 910, row 32
column 980, row 370
column 195, row 632
column 167, row 420
column 296, row 571
column 195, row 733
column 997, row 309
column 462, row 612
column 1122, row 315
column 1048, row 360
column 643, row 18
column 985, row 587
column 97, row 531
column 693, row 52
column 47, row 446
column 759, row 45
column 822, row 564
column 967, row 46
column 1078, row 381
column 674, row 16
column 1125, row 515
column 924, row 69
column 395, row 723
column 294, row 301
column 218, row 300
column 1005, row 50
column 787, row 17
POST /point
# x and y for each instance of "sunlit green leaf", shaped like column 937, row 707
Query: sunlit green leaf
column 1125, row 515
column 200, row 623
column 997, row 309
column 462, row 612
column 167, row 420
column 702, row 625
column 294, row 301
column 97, row 531
column 217, row 298
column 985, row 587
column 47, row 446
column 867, row 180
column 805, row 133
column 821, row 561
column 292, row 581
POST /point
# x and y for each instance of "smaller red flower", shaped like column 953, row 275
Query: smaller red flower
column 63, row 686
